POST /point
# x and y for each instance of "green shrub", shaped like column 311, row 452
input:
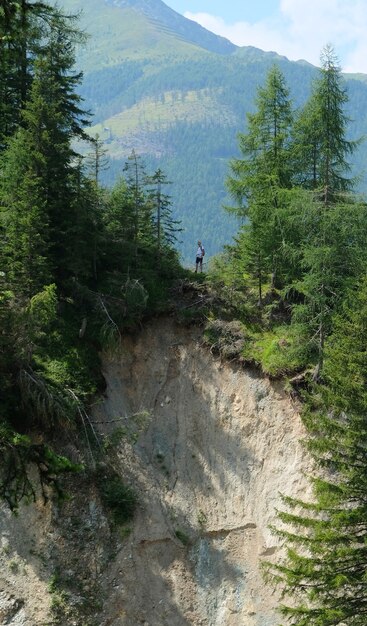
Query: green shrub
column 280, row 351
column 183, row 537
column 119, row 498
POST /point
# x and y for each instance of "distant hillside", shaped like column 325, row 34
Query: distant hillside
column 168, row 20
column 178, row 95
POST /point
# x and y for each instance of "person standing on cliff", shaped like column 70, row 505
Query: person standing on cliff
column 199, row 257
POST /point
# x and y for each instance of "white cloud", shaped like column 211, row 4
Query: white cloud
column 301, row 29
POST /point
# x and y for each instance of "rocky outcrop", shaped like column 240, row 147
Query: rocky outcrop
column 208, row 446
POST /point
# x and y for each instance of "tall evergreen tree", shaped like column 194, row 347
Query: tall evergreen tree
column 325, row 569
column 259, row 177
column 321, row 148
column 136, row 181
column 97, row 160
column 120, row 228
column 333, row 258
column 25, row 218
column 22, row 28
column 321, row 151
column 164, row 225
column 41, row 184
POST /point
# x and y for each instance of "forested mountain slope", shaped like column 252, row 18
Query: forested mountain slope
column 178, row 95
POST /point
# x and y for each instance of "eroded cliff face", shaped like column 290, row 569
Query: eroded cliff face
column 209, row 447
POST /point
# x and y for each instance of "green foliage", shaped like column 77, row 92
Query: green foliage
column 310, row 255
column 333, row 253
column 19, row 454
column 229, row 278
column 326, row 560
column 43, row 309
column 306, row 237
column 78, row 264
column 183, row 537
column 59, row 598
column 333, row 257
column 259, row 178
column 52, row 258
column 280, row 352
column 119, row 498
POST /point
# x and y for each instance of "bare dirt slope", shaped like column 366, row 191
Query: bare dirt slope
column 220, row 445
column 208, row 446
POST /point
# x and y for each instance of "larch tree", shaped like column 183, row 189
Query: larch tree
column 321, row 147
column 321, row 150
column 258, row 179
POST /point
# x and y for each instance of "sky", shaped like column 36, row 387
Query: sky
column 297, row 29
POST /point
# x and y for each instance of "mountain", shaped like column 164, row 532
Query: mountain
column 168, row 20
column 178, row 95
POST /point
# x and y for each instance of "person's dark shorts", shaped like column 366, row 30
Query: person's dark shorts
column 199, row 259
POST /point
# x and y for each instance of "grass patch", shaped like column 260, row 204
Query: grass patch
column 279, row 352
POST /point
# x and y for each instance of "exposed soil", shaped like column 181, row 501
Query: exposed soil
column 208, row 446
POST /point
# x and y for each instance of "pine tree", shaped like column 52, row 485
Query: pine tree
column 44, row 174
column 165, row 226
column 22, row 28
column 259, row 178
column 321, row 148
column 331, row 254
column 325, row 569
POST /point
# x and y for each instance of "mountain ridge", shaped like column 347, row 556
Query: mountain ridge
column 181, row 106
column 188, row 29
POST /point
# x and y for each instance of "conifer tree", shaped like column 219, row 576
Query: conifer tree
column 40, row 189
column 259, row 177
column 325, row 569
column 332, row 253
column 22, row 28
column 120, row 228
column 97, row 160
column 88, row 206
column 165, row 226
column 25, row 218
column 136, row 181
column 321, row 148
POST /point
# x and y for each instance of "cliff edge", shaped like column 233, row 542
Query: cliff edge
column 208, row 447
